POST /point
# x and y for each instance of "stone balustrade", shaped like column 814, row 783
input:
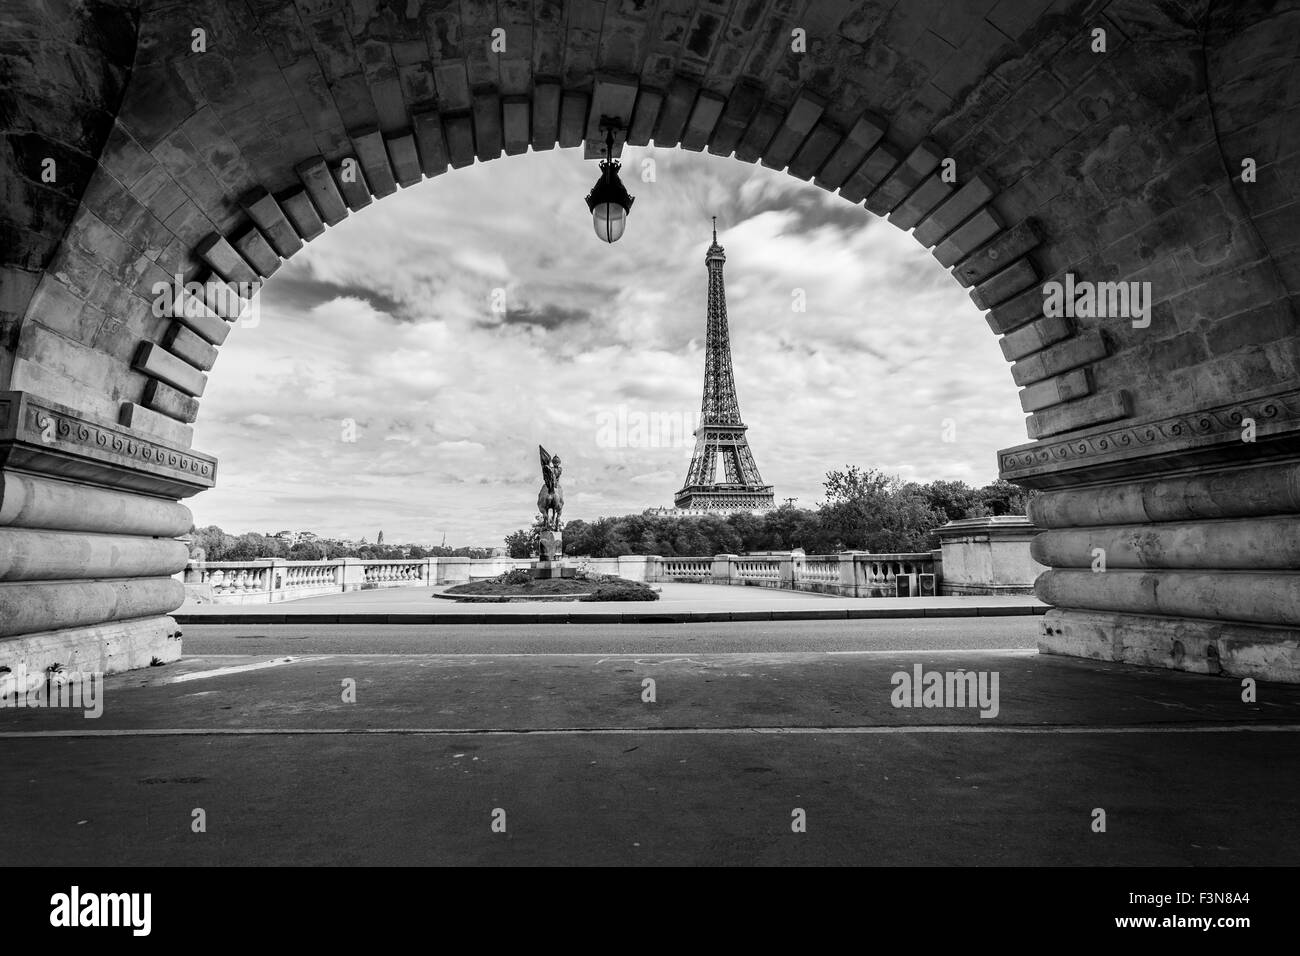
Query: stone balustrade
column 270, row 580
column 692, row 570
column 986, row 555
column 849, row 573
column 759, row 571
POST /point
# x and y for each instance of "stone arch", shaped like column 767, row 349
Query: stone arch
column 956, row 221
column 1109, row 165
column 909, row 184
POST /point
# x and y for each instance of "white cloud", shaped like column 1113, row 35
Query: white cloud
column 387, row 321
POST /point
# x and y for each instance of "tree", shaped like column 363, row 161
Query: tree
column 955, row 499
column 525, row 543
column 1003, row 498
column 307, row 551
column 749, row 529
column 869, row 510
column 521, row 543
column 855, row 484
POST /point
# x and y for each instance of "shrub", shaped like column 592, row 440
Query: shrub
column 514, row 576
column 619, row 589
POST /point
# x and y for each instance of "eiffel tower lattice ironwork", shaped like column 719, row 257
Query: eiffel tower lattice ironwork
column 721, row 434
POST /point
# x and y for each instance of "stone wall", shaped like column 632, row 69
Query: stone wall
column 1106, row 165
column 63, row 71
column 988, row 556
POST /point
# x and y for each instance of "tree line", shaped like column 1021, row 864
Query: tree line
column 864, row 510
column 218, row 545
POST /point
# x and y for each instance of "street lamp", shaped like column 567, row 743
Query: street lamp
column 608, row 200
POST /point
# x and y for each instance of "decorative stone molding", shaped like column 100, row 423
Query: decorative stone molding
column 1164, row 445
column 45, row 437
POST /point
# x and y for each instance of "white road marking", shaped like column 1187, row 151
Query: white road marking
column 648, row 731
column 237, row 669
column 622, row 657
column 1006, row 651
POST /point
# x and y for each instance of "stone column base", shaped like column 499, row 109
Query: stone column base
column 1173, row 543
column 1198, row 646
column 89, row 517
column 106, row 648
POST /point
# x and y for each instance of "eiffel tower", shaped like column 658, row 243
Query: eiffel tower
column 721, row 433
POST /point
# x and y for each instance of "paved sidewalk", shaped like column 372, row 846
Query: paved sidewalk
column 678, row 603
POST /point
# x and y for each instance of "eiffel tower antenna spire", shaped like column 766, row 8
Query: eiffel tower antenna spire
column 721, row 434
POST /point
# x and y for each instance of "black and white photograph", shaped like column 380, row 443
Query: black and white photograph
column 647, row 434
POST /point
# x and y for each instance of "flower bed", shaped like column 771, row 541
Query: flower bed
column 591, row 587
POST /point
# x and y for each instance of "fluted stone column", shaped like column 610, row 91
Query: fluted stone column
column 1173, row 543
column 89, row 519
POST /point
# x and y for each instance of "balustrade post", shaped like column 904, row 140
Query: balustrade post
column 936, row 558
column 259, row 579
column 631, row 567
column 354, row 574
column 785, row 573
column 453, row 570
column 275, row 580
column 724, row 569
column 847, row 584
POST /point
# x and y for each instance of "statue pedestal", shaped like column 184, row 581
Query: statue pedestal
column 552, row 569
column 550, row 546
column 551, row 554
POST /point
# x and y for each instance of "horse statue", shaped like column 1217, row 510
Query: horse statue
column 550, row 500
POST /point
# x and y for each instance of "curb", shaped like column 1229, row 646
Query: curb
column 626, row 617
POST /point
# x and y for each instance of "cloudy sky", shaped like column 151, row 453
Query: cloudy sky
column 406, row 364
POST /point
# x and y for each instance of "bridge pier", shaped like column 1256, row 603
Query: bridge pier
column 1173, row 543
column 89, row 516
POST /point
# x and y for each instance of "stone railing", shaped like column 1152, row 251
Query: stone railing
column 682, row 569
column 914, row 574
column 818, row 569
column 755, row 570
column 849, row 573
column 269, row 580
column 380, row 574
column 983, row 555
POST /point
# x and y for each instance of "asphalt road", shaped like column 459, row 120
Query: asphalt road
column 392, row 759
column 900, row 634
